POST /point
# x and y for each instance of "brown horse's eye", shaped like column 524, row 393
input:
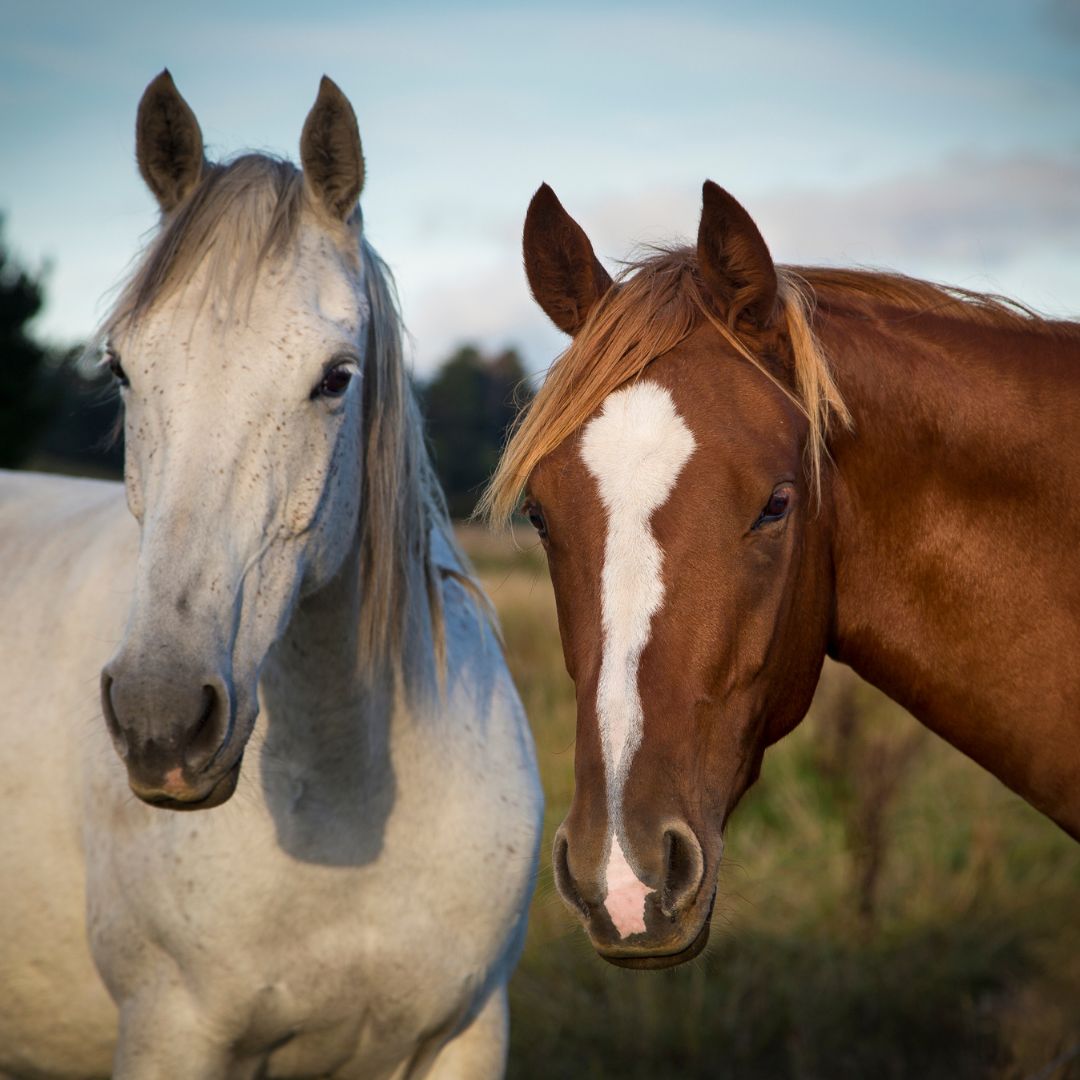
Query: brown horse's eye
column 334, row 383
column 775, row 508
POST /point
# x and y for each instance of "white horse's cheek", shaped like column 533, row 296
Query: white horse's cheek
column 132, row 471
column 133, row 489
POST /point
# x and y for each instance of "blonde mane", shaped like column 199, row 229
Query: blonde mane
column 913, row 296
column 656, row 303
column 242, row 216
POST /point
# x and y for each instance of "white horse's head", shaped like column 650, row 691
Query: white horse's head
column 258, row 351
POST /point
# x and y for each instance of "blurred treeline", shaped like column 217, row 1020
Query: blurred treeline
column 58, row 410
column 469, row 404
column 50, row 408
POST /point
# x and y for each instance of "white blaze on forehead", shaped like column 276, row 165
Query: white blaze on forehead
column 635, row 449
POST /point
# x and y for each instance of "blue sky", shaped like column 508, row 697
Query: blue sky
column 941, row 139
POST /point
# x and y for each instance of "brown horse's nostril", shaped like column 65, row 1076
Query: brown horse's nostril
column 564, row 881
column 684, row 869
column 212, row 729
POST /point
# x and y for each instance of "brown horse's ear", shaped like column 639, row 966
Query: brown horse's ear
column 168, row 143
column 564, row 273
column 734, row 260
column 330, row 152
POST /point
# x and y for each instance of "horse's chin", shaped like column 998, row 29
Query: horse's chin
column 652, row 961
column 662, row 960
column 217, row 793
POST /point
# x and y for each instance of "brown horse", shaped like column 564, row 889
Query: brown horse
column 737, row 469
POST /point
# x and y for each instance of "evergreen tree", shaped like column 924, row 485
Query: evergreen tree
column 26, row 403
column 85, row 436
column 469, row 404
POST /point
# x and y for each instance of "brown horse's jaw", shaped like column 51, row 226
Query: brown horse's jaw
column 219, row 793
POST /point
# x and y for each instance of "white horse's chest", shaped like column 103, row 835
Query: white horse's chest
column 356, row 948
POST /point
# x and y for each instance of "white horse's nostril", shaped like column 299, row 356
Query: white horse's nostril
column 212, row 730
column 116, row 732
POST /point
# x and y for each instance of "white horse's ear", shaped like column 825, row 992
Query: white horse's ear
column 330, row 152
column 168, row 143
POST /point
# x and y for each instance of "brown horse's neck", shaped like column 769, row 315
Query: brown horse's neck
column 955, row 524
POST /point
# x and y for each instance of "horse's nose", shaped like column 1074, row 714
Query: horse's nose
column 684, row 869
column 168, row 729
column 638, row 902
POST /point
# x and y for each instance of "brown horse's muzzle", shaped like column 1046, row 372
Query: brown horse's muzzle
column 645, row 907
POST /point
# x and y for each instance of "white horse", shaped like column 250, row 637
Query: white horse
column 285, row 591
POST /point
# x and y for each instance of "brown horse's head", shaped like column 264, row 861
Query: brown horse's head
column 665, row 466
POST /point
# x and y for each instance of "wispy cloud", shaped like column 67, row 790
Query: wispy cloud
column 974, row 209
column 967, row 207
column 1063, row 17
column 827, row 123
column 984, row 222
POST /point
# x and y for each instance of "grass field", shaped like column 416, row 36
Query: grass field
column 887, row 909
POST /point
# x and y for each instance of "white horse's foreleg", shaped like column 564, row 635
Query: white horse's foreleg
column 479, row 1052
column 166, row 1038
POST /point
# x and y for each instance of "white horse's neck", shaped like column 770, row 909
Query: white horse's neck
column 327, row 725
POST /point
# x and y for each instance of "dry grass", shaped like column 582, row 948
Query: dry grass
column 887, row 909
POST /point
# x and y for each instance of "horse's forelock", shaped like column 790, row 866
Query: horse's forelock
column 658, row 302
column 241, row 214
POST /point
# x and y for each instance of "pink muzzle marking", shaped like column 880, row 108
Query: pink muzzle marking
column 174, row 782
column 626, row 893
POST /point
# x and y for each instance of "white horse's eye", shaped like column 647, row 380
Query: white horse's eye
column 335, row 382
column 112, row 362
